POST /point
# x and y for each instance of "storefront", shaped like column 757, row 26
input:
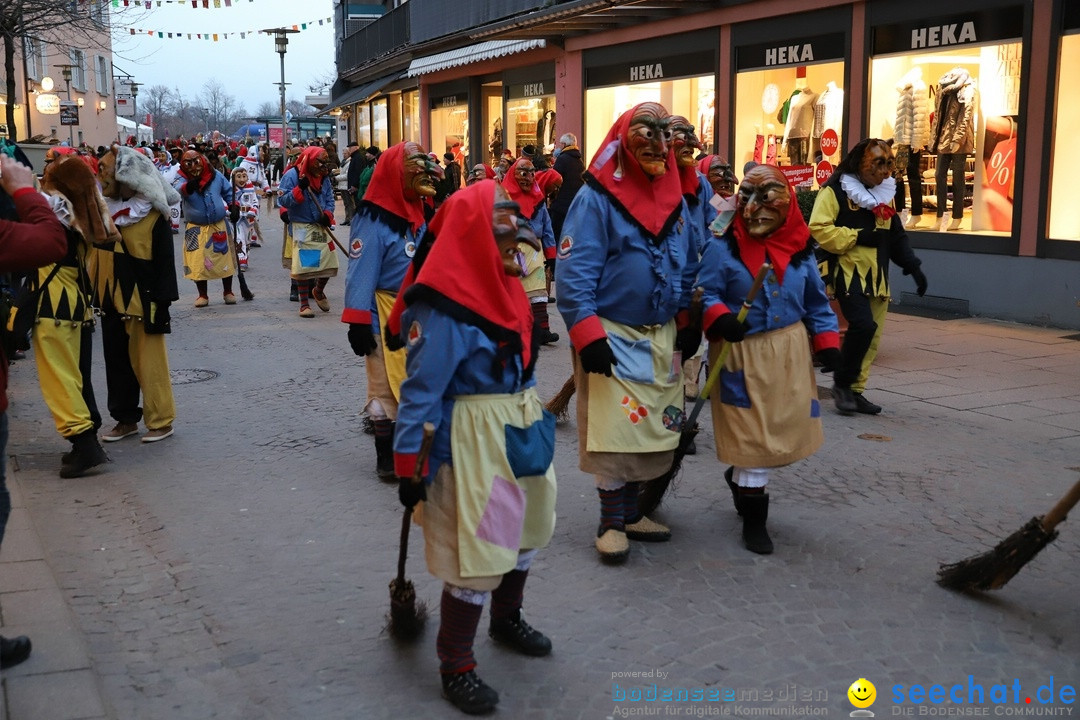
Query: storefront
column 1064, row 218
column 789, row 95
column 679, row 72
column 530, row 109
column 448, row 116
column 947, row 89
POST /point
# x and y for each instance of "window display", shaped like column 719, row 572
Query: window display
column 450, row 125
column 531, row 121
column 1064, row 218
column 492, row 121
column 380, row 124
column 789, row 107
column 363, row 125
column 690, row 97
column 951, row 105
column 410, row 116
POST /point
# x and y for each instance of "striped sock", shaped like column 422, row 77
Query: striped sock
column 611, row 509
column 304, row 288
column 506, row 599
column 629, row 503
column 540, row 315
column 457, row 630
column 384, row 427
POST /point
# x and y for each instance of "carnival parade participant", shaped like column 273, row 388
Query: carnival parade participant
column 489, row 485
column 854, row 219
column 625, row 270
column 520, row 183
column 246, row 195
column 765, row 412
column 249, row 161
column 719, row 174
column 383, row 237
column 62, row 336
column 307, row 195
column 208, row 202
column 134, row 281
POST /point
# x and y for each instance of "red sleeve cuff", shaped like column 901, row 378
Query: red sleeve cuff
column 23, row 191
column 549, row 253
column 405, row 465
column 298, row 194
column 825, row 340
column 682, row 319
column 330, row 215
column 587, row 331
column 711, row 314
column 359, row 317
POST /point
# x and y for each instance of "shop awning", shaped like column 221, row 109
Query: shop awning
column 360, row 93
column 471, row 54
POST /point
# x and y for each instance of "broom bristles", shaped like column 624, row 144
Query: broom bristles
column 995, row 567
column 559, row 405
column 407, row 614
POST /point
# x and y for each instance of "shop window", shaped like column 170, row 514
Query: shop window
column 531, row 121
column 363, row 126
column 450, row 126
column 491, row 119
column 690, row 97
column 380, row 124
column 953, row 116
column 1064, row 216
column 410, row 116
column 791, row 117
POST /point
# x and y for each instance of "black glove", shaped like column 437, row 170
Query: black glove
column 192, row 187
column 916, row 274
column 870, row 237
column 285, row 217
column 234, row 214
column 550, row 264
column 596, row 357
column 829, row 358
column 325, row 220
column 729, row 327
column 409, row 493
column 687, row 341
column 304, row 182
column 361, row 338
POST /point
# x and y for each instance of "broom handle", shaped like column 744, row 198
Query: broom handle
column 1059, row 511
column 714, row 371
column 417, row 477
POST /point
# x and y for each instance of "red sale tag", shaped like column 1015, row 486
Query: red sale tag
column 829, row 143
column 823, row 172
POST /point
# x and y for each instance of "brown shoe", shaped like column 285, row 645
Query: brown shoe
column 120, row 431
column 230, row 299
column 647, row 530
column 306, row 312
column 202, row 301
column 613, row 546
column 320, row 299
column 158, row 434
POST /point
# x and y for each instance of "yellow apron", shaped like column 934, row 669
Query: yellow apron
column 313, row 251
column 535, row 279
column 208, row 252
column 497, row 511
column 393, row 360
column 639, row 408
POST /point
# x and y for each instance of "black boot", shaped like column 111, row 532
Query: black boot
column 85, row 454
column 13, row 651
column 384, row 456
column 518, row 634
column 469, row 693
column 755, row 511
column 728, row 474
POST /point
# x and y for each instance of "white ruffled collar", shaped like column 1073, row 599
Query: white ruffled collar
column 869, row 198
column 129, row 212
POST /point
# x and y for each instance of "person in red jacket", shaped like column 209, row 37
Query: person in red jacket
column 30, row 236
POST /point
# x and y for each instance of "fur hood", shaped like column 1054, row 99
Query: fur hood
column 71, row 178
column 139, row 173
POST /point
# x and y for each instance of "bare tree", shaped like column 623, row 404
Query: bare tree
column 321, row 83
column 298, row 108
column 61, row 22
column 157, row 101
column 268, row 109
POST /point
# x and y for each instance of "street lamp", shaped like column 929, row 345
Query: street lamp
column 281, row 43
column 65, row 71
column 135, row 108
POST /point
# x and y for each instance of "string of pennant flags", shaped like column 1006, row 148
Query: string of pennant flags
column 148, row 4
column 216, row 36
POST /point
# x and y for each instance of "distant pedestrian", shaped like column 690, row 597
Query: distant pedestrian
column 371, row 155
column 570, row 166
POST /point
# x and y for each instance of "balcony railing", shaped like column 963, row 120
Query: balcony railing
column 382, row 37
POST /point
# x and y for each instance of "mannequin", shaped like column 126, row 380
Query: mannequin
column 953, row 139
column 800, row 123
column 911, row 137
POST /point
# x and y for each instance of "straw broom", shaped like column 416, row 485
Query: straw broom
column 993, row 568
column 559, row 405
column 652, row 491
column 407, row 616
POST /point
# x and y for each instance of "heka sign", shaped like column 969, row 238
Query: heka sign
column 938, row 35
column 787, row 54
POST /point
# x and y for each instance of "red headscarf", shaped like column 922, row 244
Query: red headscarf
column 385, row 189
column 305, row 165
column 548, row 178
column 704, row 163
column 654, row 203
column 205, row 171
column 789, row 239
column 464, row 267
column 528, row 201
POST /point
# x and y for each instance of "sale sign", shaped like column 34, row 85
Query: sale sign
column 823, row 172
column 829, row 143
column 798, row 174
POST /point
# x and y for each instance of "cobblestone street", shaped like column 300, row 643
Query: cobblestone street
column 240, row 568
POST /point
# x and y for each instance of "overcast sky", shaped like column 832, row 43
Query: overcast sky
column 249, row 68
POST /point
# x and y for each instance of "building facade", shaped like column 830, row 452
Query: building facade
column 978, row 89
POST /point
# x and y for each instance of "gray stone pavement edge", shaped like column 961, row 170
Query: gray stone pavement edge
column 239, row 569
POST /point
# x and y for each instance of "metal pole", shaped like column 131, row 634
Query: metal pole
column 71, row 128
column 284, row 122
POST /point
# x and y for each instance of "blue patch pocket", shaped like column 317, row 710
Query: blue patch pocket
column 310, row 258
column 635, row 359
column 815, row 408
column 733, row 389
column 530, row 450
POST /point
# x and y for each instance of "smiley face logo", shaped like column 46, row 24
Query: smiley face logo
column 862, row 693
